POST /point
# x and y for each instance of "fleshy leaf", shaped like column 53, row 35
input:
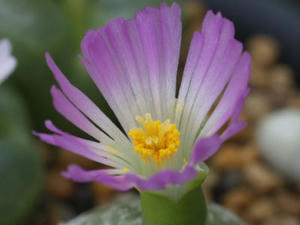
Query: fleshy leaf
column 20, row 166
column 21, row 182
column 14, row 118
column 127, row 211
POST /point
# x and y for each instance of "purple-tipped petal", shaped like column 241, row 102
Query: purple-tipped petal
column 69, row 143
column 236, row 125
column 158, row 181
column 195, row 51
column 233, row 129
column 206, row 73
column 233, row 98
column 213, row 84
column 205, row 148
column 218, row 69
column 78, row 174
column 70, row 112
column 163, row 178
column 86, row 148
column 134, row 62
column 84, row 104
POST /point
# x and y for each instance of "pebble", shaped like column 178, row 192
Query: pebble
column 260, row 78
column 228, row 158
column 293, row 102
column 257, row 106
column 282, row 220
column 250, row 154
column 259, row 210
column 281, row 84
column 289, row 202
column 238, row 199
column 227, row 181
column 102, row 193
column 278, row 138
column 233, row 156
column 281, row 78
column 58, row 186
column 264, row 50
column 261, row 179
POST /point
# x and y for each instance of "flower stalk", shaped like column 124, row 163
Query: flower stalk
column 177, row 205
column 160, row 209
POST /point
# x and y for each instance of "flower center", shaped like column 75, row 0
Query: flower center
column 155, row 140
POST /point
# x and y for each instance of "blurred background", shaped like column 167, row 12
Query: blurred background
column 255, row 174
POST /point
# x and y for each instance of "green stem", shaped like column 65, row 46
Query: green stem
column 161, row 209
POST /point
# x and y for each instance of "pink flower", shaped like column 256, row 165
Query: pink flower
column 134, row 64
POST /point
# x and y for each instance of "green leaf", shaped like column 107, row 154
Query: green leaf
column 185, row 204
column 31, row 24
column 21, row 169
column 127, row 211
column 189, row 209
column 217, row 215
column 33, row 27
column 20, row 183
column 14, row 117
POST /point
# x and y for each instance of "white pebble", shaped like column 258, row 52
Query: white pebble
column 278, row 137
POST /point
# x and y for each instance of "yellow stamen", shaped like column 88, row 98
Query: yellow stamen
column 178, row 109
column 125, row 170
column 112, row 150
column 157, row 140
column 179, row 106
